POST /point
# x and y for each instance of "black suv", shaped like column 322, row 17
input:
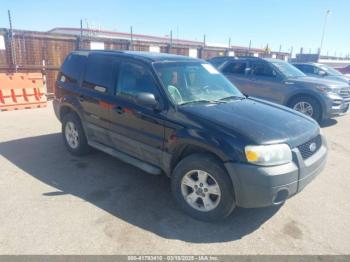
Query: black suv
column 178, row 116
column 280, row 82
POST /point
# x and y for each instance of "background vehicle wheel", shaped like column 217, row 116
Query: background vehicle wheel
column 73, row 135
column 202, row 188
column 308, row 106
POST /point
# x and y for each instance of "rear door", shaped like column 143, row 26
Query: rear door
column 136, row 130
column 265, row 82
column 97, row 83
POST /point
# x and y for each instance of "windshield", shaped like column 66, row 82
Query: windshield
column 330, row 71
column 191, row 82
column 288, row 70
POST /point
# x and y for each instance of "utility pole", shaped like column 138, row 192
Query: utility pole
column 204, row 39
column 328, row 12
column 171, row 38
column 81, row 34
column 250, row 46
column 131, row 39
column 12, row 43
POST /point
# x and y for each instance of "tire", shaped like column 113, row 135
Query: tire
column 220, row 204
column 308, row 102
column 80, row 146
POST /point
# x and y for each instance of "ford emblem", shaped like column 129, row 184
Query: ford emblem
column 313, row 147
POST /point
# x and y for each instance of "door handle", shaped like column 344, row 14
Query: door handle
column 81, row 98
column 119, row 110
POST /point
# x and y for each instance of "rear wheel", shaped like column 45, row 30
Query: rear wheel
column 308, row 106
column 202, row 188
column 73, row 135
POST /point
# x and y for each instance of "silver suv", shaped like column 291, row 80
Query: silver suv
column 282, row 83
column 322, row 71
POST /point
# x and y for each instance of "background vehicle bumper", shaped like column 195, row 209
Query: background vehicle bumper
column 258, row 186
column 335, row 107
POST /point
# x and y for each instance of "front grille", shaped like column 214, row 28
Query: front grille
column 345, row 93
column 305, row 150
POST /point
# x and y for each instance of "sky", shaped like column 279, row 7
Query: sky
column 285, row 23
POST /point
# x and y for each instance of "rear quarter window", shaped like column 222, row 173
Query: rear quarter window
column 99, row 72
column 73, row 68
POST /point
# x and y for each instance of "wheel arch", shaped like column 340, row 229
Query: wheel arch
column 66, row 109
column 185, row 150
column 309, row 95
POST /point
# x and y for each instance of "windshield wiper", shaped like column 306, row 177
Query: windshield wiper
column 203, row 101
column 233, row 97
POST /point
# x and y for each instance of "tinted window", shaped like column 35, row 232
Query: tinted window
column 73, row 68
column 300, row 67
column 235, row 68
column 307, row 69
column 217, row 61
column 99, row 74
column 262, row 69
column 135, row 78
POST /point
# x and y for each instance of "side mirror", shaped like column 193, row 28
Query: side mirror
column 147, row 100
column 322, row 73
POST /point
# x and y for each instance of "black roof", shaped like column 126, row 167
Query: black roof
column 145, row 56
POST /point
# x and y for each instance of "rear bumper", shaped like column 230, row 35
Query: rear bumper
column 257, row 186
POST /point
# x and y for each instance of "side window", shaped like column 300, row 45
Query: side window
column 235, row 68
column 316, row 70
column 300, row 67
column 99, row 73
column 307, row 69
column 72, row 68
column 262, row 69
column 135, row 78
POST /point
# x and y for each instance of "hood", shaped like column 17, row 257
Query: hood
column 257, row 121
column 317, row 81
column 340, row 78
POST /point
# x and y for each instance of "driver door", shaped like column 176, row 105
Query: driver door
column 136, row 130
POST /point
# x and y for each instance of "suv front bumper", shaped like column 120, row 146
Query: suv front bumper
column 259, row 186
column 335, row 105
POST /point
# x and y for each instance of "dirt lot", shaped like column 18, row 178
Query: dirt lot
column 54, row 203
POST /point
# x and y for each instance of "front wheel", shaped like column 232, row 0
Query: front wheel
column 308, row 106
column 202, row 188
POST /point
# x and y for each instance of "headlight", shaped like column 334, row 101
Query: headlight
column 268, row 155
column 331, row 91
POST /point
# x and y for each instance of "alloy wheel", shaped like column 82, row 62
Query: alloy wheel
column 304, row 107
column 72, row 135
column 200, row 190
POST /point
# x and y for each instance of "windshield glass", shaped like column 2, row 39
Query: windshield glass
column 330, row 71
column 190, row 82
column 287, row 69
